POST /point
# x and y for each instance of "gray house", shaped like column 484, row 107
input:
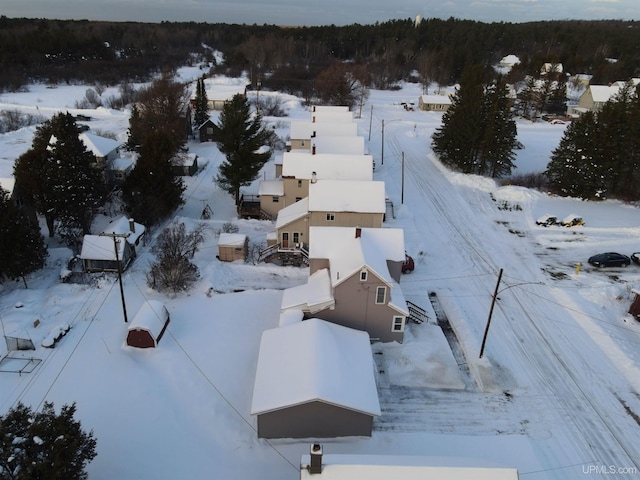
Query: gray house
column 314, row 380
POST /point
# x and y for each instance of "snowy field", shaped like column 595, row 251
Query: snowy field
column 556, row 394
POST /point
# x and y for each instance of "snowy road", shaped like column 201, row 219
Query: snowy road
column 573, row 384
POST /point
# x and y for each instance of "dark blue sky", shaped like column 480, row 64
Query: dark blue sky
column 319, row 12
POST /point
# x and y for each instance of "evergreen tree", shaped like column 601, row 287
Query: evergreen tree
column 456, row 141
column 152, row 192
column 241, row 138
column 22, row 246
column 201, row 114
column 575, row 167
column 44, row 445
column 61, row 175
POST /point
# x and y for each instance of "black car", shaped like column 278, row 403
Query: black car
column 609, row 259
column 635, row 258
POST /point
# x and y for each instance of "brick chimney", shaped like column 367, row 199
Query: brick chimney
column 358, row 232
column 313, row 119
column 313, row 149
column 316, row 459
column 314, row 177
column 132, row 225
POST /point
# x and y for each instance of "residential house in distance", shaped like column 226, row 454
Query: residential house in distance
column 335, row 203
column 106, row 152
column 437, row 103
column 595, row 96
column 208, row 131
column 219, row 92
column 314, row 379
column 304, row 131
column 297, row 171
column 317, row 466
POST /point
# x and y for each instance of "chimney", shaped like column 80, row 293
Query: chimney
column 313, row 134
column 358, row 232
column 314, row 108
column 313, row 119
column 313, row 149
column 314, row 177
column 316, row 459
column 132, row 225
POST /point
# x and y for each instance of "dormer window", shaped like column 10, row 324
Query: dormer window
column 331, row 217
column 363, row 275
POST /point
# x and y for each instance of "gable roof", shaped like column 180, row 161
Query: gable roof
column 292, row 212
column 301, row 165
column 338, row 144
column 347, row 196
column 271, row 187
column 96, row 247
column 122, row 226
column 348, row 254
column 313, row 361
column 303, row 129
column 311, row 297
column 99, row 146
column 436, row 99
column 151, row 317
column 404, row 467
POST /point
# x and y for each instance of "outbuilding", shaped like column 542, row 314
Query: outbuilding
column 148, row 325
column 315, row 380
column 232, row 247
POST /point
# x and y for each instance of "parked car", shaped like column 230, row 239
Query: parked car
column 407, row 265
column 547, row 220
column 609, row 259
column 572, row 221
column 635, row 258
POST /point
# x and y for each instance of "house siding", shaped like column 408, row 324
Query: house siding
column 355, row 307
column 314, row 420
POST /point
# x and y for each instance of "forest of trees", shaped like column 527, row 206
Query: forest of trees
column 292, row 59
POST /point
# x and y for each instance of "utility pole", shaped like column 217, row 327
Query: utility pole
column 115, row 237
column 402, row 196
column 382, row 161
column 370, row 121
column 493, row 302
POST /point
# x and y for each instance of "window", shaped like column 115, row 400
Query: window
column 209, row 130
column 296, row 237
column 275, row 199
column 398, row 324
column 381, row 294
column 363, row 276
column 331, row 217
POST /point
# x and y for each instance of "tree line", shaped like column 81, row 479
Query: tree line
column 291, row 59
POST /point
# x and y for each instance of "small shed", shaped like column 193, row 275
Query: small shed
column 209, row 131
column 438, row 103
column 232, row 247
column 148, row 325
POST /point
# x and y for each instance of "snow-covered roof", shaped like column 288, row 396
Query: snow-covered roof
column 232, row 239
column 271, row 187
column 311, row 297
column 221, row 88
column 338, row 144
column 404, row 467
column 99, row 146
column 301, row 165
column 123, row 226
column 151, row 317
column 509, row 61
column 331, row 116
column 96, row 247
column 347, row 253
column 312, row 361
column 292, row 212
column 347, row 196
column 304, row 129
column 602, row 93
column 329, row 108
column 122, row 164
column 436, row 99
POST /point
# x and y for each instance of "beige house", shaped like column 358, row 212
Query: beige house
column 304, row 131
column 299, row 168
column 593, row 99
column 354, row 281
column 334, row 203
column 437, row 103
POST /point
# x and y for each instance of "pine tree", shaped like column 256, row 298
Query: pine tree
column 152, row 192
column 241, row 138
column 22, row 246
column 44, row 445
column 456, row 141
column 576, row 168
column 60, row 174
column 201, row 114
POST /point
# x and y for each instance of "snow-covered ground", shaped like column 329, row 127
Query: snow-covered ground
column 556, row 394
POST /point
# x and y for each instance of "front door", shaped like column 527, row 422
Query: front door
column 285, row 239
